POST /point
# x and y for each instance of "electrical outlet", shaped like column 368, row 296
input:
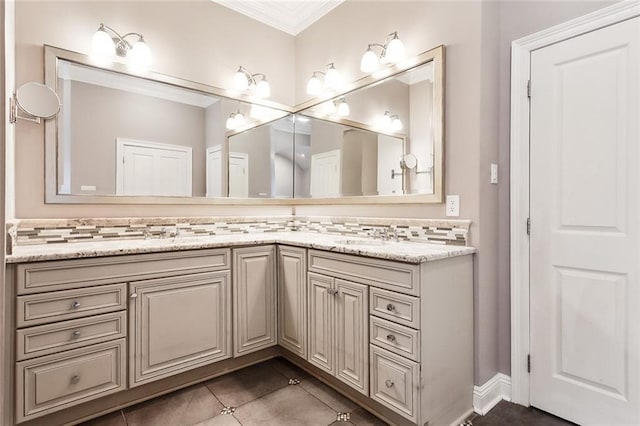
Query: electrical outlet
column 494, row 173
column 453, row 205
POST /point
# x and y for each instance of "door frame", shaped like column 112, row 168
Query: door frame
column 519, row 175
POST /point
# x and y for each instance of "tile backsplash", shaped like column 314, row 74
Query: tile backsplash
column 53, row 231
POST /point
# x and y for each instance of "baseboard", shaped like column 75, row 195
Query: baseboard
column 487, row 396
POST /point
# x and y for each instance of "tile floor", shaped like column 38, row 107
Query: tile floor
column 263, row 395
column 256, row 395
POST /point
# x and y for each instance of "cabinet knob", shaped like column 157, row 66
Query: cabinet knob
column 391, row 337
column 75, row 305
column 389, row 383
column 133, row 295
column 75, row 334
column 332, row 291
column 75, row 380
column 391, row 307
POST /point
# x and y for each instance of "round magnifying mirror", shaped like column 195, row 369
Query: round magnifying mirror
column 409, row 161
column 37, row 100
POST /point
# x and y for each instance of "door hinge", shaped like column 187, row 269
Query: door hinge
column 528, row 363
column 529, row 89
column 528, row 226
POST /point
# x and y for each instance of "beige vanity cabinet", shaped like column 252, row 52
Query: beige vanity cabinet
column 254, row 299
column 292, row 299
column 338, row 329
column 177, row 324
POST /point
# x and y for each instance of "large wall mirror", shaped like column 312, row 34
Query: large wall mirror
column 132, row 136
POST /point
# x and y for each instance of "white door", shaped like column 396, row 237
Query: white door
column 238, row 175
column 214, row 171
column 325, row 174
column 149, row 168
column 584, row 288
column 389, row 155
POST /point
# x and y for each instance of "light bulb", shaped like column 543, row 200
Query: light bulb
column 263, row 90
column 385, row 120
column 102, row 43
column 343, row 109
column 395, row 50
column 314, row 85
column 140, row 53
column 238, row 120
column 231, row 122
column 369, row 62
column 396, row 124
column 332, row 78
column 240, row 80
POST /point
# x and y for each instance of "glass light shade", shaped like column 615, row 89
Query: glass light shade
column 332, row 78
column 240, row 80
column 314, row 85
column 343, row 109
column 263, row 89
column 239, row 120
column 369, row 62
column 396, row 124
column 395, row 51
column 385, row 120
column 231, row 122
column 102, row 44
column 140, row 53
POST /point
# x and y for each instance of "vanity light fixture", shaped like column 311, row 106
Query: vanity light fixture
column 107, row 42
column 244, row 80
column 332, row 80
column 392, row 51
column 391, row 122
column 235, row 120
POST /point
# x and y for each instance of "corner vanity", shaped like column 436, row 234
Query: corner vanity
column 99, row 326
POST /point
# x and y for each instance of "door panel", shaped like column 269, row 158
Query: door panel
column 585, row 294
column 177, row 324
column 352, row 337
column 321, row 322
column 254, row 299
column 292, row 299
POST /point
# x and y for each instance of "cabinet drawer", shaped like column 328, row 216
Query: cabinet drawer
column 395, row 307
column 397, row 276
column 62, row 305
column 59, row 381
column 47, row 339
column 395, row 382
column 38, row 277
column 397, row 338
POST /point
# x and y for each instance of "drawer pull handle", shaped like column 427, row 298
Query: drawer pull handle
column 75, row 334
column 391, row 307
column 391, row 337
column 389, row 383
column 332, row 291
column 133, row 295
column 75, row 380
column 75, row 305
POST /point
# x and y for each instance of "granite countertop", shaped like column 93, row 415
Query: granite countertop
column 404, row 251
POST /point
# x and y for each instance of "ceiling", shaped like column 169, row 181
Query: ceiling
column 290, row 16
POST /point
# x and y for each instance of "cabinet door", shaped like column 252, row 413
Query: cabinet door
column 177, row 324
column 292, row 299
column 254, row 299
column 352, row 334
column 321, row 322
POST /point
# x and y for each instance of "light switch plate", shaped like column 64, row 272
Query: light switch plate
column 494, row 173
column 453, row 205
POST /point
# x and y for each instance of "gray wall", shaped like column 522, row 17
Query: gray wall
column 121, row 114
